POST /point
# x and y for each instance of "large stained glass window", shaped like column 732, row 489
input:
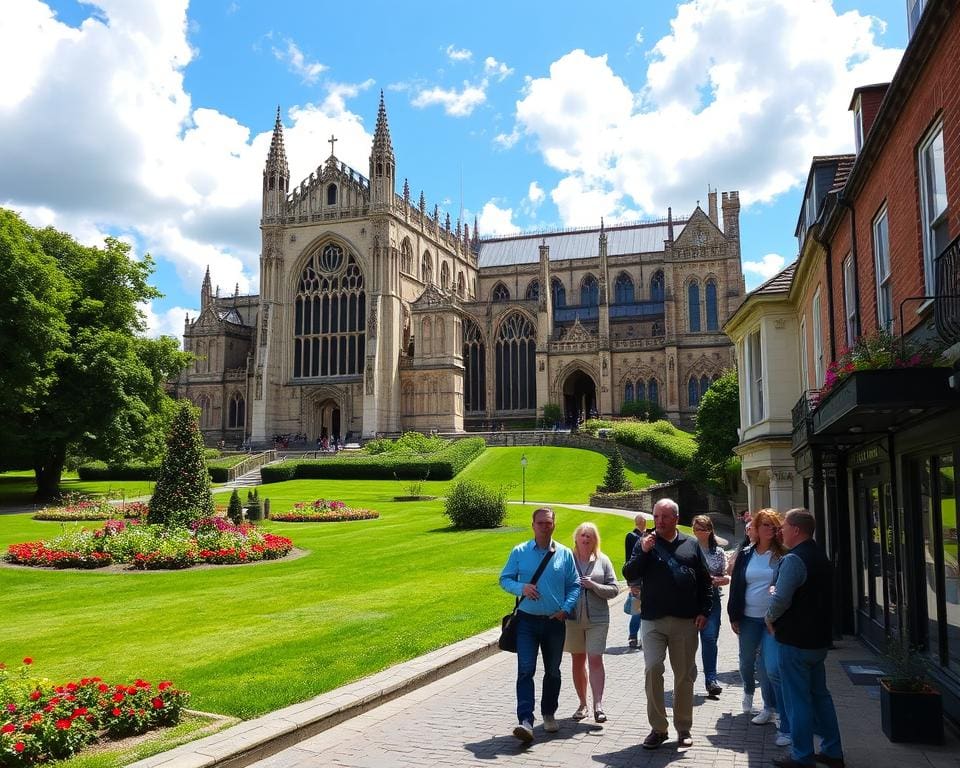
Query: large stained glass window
column 516, row 364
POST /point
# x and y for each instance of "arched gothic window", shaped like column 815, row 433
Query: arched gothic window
column 641, row 390
column 653, row 391
column 693, row 392
column 628, row 392
column 406, row 256
column 331, row 194
column 623, row 289
column 474, row 368
column 589, row 292
column 236, row 418
column 693, row 307
column 656, row 286
column 461, row 285
column 330, row 316
column 206, row 411
column 704, row 384
column 499, row 293
column 711, row 301
column 444, row 276
column 533, row 290
column 426, row 268
column 516, row 383
column 559, row 293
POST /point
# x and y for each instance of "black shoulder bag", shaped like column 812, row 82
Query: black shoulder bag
column 508, row 625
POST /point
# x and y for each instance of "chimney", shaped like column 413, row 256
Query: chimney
column 730, row 203
column 712, row 207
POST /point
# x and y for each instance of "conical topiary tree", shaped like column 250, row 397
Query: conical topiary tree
column 616, row 478
column 182, row 493
column 235, row 508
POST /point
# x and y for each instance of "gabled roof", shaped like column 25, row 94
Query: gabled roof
column 779, row 283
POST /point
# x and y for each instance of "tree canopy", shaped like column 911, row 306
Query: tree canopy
column 81, row 376
column 718, row 419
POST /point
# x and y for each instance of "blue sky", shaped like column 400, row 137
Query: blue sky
column 150, row 119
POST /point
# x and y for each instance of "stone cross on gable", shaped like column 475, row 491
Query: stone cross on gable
column 333, row 140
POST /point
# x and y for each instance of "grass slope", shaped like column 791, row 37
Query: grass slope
column 19, row 487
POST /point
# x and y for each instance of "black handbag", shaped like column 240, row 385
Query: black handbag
column 508, row 625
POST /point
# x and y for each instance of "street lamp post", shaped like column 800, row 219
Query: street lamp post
column 523, row 477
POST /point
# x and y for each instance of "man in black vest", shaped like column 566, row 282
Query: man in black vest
column 630, row 544
column 800, row 619
column 676, row 595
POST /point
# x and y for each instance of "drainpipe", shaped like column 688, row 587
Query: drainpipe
column 842, row 200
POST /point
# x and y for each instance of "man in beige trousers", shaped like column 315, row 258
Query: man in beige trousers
column 676, row 595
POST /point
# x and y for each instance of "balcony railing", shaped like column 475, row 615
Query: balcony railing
column 803, row 419
column 946, row 310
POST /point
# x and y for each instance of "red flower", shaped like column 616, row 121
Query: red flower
column 18, row 747
column 36, row 717
column 163, row 685
column 116, row 712
column 35, row 695
column 157, row 703
column 28, row 661
column 79, row 711
column 103, row 688
column 11, row 707
column 118, row 697
column 8, row 728
column 63, row 724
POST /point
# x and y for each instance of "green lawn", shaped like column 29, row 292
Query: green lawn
column 249, row 639
column 19, row 487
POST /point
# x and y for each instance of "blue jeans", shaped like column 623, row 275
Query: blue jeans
column 752, row 632
column 708, row 642
column 546, row 635
column 808, row 702
column 770, row 661
column 634, row 626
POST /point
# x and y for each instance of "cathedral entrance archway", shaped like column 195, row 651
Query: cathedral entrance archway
column 325, row 420
column 579, row 397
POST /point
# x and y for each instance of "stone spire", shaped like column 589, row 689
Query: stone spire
column 206, row 290
column 381, row 135
column 382, row 162
column 276, row 174
column 277, row 157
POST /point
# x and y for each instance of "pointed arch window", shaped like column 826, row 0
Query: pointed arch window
column 559, row 293
column 656, row 286
column 500, row 293
column 623, row 289
column 426, row 268
column 406, row 256
column 330, row 316
column 693, row 307
column 206, row 411
column 711, row 302
column 515, row 356
column 628, row 392
column 641, row 390
column 533, row 290
column 653, row 392
column 589, row 292
column 704, row 385
column 461, row 285
column 474, row 368
column 331, row 194
column 236, row 418
column 693, row 392
column 445, row 276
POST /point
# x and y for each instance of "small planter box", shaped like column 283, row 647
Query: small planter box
column 914, row 717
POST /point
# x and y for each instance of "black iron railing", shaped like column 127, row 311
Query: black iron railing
column 803, row 418
column 946, row 309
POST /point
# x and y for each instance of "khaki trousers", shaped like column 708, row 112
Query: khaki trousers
column 680, row 638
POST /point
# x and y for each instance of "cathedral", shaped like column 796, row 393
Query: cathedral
column 376, row 316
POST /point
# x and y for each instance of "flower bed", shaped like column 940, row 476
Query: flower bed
column 323, row 511
column 92, row 509
column 40, row 721
column 213, row 541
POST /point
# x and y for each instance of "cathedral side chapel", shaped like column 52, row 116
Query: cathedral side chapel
column 376, row 315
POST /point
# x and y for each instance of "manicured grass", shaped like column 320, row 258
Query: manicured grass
column 245, row 640
column 19, row 487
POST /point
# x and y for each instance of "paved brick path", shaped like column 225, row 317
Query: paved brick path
column 467, row 719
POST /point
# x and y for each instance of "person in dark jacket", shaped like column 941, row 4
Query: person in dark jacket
column 676, row 597
column 800, row 617
column 630, row 543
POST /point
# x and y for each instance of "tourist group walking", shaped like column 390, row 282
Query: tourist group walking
column 779, row 605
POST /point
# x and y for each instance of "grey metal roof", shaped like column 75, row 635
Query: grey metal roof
column 584, row 244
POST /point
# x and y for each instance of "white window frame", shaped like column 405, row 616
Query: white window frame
column 933, row 201
column 858, row 125
column 804, row 372
column 849, row 300
column 817, row 327
column 881, row 267
column 754, row 352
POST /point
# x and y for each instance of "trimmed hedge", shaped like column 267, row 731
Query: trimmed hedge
column 660, row 439
column 98, row 470
column 442, row 465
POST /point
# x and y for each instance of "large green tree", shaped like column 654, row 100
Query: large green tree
column 82, row 376
column 718, row 419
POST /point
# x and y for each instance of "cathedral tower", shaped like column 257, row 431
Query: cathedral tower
column 383, row 165
column 276, row 174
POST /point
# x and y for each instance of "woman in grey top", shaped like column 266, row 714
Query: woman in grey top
column 586, row 638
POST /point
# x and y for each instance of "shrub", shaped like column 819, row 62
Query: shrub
column 278, row 473
column 182, row 493
column 324, row 511
column 254, row 508
column 410, row 443
column 552, row 413
column 615, row 479
column 471, row 504
column 235, row 508
column 643, row 409
column 661, row 440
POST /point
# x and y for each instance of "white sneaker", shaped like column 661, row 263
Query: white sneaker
column 550, row 724
column 747, row 703
column 764, row 717
column 524, row 731
column 783, row 739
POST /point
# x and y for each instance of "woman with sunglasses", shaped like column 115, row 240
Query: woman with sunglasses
column 717, row 566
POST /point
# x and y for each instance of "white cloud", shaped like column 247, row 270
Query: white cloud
column 125, row 151
column 458, row 54
column 535, row 193
column 766, row 268
column 455, row 103
column 496, row 68
column 735, row 95
column 168, row 323
column 507, row 140
column 494, row 220
column 299, row 64
column 639, row 37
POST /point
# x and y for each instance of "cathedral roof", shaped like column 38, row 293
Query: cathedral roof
column 576, row 244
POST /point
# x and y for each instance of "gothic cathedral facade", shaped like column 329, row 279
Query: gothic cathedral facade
column 376, row 317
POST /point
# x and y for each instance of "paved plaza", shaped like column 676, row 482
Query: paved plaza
column 466, row 718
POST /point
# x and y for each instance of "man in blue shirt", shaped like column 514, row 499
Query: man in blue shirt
column 541, row 625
